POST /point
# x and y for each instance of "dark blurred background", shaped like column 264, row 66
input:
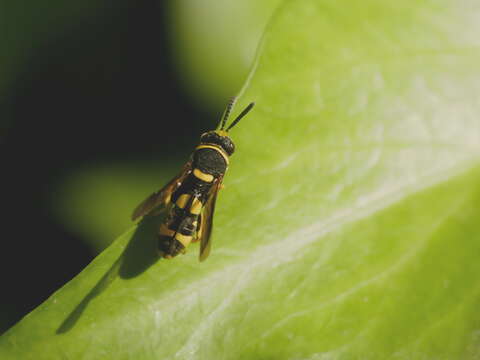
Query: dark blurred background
column 101, row 102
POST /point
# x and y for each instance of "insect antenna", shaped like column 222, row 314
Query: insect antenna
column 242, row 114
column 226, row 114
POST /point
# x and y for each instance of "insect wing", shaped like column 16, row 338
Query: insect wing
column 206, row 219
column 162, row 196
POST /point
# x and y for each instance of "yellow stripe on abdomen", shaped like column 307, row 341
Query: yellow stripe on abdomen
column 183, row 239
column 165, row 231
column 182, row 200
column 196, row 206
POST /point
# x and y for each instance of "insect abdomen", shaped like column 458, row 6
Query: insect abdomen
column 180, row 227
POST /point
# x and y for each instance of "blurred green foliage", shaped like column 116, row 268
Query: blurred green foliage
column 27, row 24
column 214, row 43
column 349, row 225
column 30, row 32
column 97, row 202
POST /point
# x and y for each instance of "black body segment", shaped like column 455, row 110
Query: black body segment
column 209, row 161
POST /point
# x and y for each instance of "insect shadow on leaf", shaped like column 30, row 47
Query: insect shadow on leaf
column 139, row 254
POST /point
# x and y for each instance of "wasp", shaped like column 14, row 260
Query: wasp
column 188, row 200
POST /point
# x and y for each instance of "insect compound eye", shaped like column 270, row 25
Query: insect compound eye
column 228, row 145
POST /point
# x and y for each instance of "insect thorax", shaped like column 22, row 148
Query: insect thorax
column 209, row 161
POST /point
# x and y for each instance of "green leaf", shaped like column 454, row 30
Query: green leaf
column 349, row 225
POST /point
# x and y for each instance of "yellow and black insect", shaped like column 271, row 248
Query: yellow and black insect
column 188, row 200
